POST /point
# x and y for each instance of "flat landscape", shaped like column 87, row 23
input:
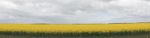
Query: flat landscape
column 132, row 30
column 126, row 36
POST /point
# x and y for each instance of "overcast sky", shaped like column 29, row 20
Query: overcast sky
column 74, row 11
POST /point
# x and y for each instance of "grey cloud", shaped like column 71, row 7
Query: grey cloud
column 74, row 11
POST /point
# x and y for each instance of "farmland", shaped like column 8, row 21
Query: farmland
column 74, row 27
column 75, row 30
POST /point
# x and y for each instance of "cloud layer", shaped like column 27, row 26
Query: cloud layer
column 74, row 11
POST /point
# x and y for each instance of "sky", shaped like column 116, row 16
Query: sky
column 74, row 11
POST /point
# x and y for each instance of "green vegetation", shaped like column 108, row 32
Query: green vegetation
column 76, row 34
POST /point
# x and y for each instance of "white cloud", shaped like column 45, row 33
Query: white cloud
column 74, row 11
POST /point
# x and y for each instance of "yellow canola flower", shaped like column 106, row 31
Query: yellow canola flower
column 75, row 27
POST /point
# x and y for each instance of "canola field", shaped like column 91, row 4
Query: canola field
column 74, row 27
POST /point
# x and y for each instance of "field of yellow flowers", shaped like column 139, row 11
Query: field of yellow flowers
column 75, row 27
